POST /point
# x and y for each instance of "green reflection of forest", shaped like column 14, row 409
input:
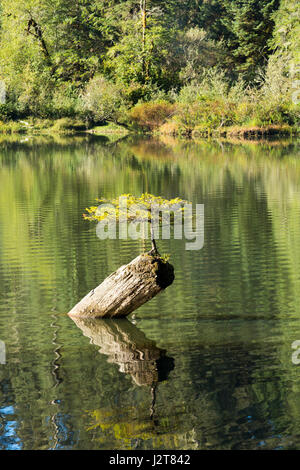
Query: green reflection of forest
column 250, row 192
column 228, row 320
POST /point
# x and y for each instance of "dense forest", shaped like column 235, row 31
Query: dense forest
column 178, row 66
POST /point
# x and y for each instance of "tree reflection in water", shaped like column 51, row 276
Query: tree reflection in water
column 127, row 346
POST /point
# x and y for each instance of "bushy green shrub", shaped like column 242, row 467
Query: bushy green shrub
column 212, row 103
column 12, row 127
column 198, row 53
column 102, row 99
column 8, row 112
column 67, row 125
column 150, row 116
column 211, row 114
column 136, row 93
column 212, row 85
column 65, row 102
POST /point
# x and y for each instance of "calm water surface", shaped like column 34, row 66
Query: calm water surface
column 205, row 365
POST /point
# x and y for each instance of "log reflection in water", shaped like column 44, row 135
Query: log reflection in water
column 127, row 346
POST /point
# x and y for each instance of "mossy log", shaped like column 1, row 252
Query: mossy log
column 126, row 289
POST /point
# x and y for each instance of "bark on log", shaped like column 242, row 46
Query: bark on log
column 126, row 289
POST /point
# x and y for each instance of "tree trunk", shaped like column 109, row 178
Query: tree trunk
column 39, row 36
column 143, row 6
column 126, row 289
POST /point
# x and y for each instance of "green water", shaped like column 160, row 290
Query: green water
column 216, row 344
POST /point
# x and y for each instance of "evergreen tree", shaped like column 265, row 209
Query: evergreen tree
column 286, row 37
column 249, row 25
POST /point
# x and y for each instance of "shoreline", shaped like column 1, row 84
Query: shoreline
column 68, row 126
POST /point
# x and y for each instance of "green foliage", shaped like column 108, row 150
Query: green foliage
column 211, row 114
column 205, row 116
column 212, row 84
column 213, row 103
column 129, row 207
column 195, row 53
column 7, row 112
column 102, row 99
column 165, row 257
column 249, row 26
column 150, row 116
column 143, row 92
column 102, row 60
column 286, row 35
column 149, row 62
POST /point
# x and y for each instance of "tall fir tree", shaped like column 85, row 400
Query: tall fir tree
column 249, row 26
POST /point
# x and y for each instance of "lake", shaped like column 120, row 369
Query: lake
column 208, row 363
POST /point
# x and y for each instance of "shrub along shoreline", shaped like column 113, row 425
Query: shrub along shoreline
column 73, row 127
column 195, row 69
column 64, row 126
column 208, row 107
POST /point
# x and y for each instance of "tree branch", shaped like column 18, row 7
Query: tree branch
column 35, row 30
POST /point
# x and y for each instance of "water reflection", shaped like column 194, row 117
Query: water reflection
column 127, row 346
column 228, row 321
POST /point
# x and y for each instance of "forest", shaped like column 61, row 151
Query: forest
column 189, row 67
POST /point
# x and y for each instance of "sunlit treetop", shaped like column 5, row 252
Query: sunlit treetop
column 128, row 207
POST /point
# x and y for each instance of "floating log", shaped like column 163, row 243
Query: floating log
column 126, row 289
column 127, row 346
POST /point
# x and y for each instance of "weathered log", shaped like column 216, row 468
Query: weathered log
column 127, row 346
column 126, row 289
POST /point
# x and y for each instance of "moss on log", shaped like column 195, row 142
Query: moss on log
column 126, row 289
